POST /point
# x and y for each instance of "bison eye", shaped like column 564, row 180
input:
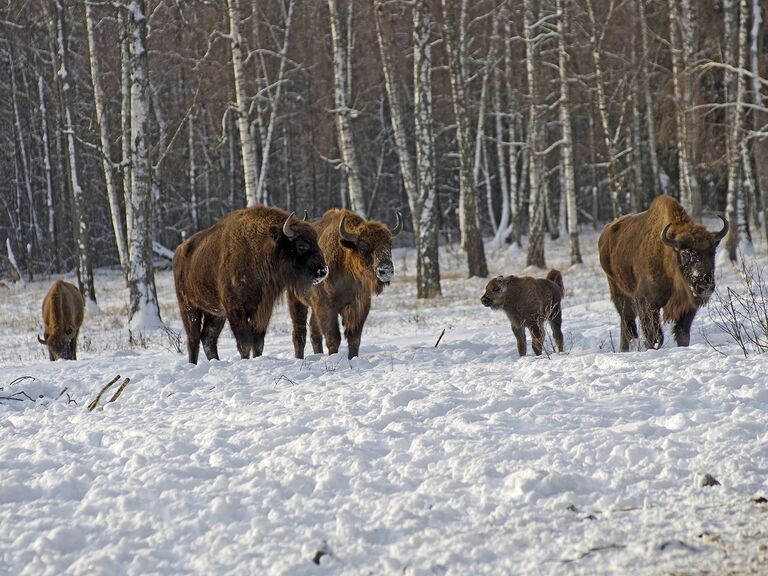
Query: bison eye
column 301, row 246
column 496, row 288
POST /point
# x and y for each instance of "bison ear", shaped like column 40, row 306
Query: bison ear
column 274, row 231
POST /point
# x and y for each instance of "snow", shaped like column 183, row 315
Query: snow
column 461, row 459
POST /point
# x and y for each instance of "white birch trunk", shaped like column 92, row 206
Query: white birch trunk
column 266, row 144
column 566, row 148
column 498, row 125
column 690, row 42
column 733, row 117
column 80, row 226
column 515, row 184
column 192, row 173
column 247, row 144
column 125, row 121
column 47, row 161
column 535, row 253
column 659, row 179
column 144, row 311
column 471, row 236
column 760, row 114
column 341, row 85
column 106, row 155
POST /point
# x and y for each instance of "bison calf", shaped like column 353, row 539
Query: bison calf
column 63, row 309
column 528, row 302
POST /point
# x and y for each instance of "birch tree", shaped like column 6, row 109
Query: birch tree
column 80, row 226
column 535, row 254
column 247, row 143
column 469, row 227
column 105, row 140
column 341, row 88
column 566, row 146
column 144, row 311
column 659, row 179
column 47, row 162
column 760, row 113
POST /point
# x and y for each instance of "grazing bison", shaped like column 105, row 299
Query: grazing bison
column 359, row 255
column 63, row 309
column 529, row 302
column 659, row 259
column 236, row 270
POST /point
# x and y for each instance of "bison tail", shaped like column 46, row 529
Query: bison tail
column 556, row 277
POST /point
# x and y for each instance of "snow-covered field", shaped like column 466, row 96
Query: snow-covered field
column 461, row 459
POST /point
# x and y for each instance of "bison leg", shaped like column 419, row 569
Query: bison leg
column 682, row 329
column 329, row 326
column 353, row 318
column 555, row 322
column 298, row 313
column 626, row 310
column 238, row 322
column 315, row 334
column 212, row 327
column 192, row 318
column 537, row 337
column 519, row 333
column 73, row 343
column 651, row 325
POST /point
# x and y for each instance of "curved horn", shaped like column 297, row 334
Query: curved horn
column 665, row 239
column 399, row 226
column 720, row 235
column 348, row 236
column 306, row 216
column 287, row 229
column 43, row 342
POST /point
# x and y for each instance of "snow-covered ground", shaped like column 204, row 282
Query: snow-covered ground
column 461, row 459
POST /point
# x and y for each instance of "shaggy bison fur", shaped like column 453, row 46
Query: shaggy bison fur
column 63, row 310
column 236, row 270
column 529, row 302
column 359, row 255
column 659, row 259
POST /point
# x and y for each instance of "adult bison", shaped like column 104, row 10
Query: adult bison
column 359, row 255
column 659, row 259
column 63, row 309
column 236, row 270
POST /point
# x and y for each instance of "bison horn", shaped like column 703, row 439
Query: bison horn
column 345, row 235
column 399, row 226
column 43, row 342
column 306, row 216
column 720, row 235
column 287, row 227
column 665, row 239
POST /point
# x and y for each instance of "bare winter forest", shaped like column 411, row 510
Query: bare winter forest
column 127, row 126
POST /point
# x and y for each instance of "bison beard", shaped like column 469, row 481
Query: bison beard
column 659, row 259
column 236, row 270
column 359, row 255
column 63, row 310
column 529, row 302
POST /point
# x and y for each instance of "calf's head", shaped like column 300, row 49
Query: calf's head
column 298, row 248
column 495, row 291
column 59, row 343
column 694, row 249
column 372, row 244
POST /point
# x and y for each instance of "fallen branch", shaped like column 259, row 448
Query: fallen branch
column 440, row 337
column 92, row 406
column 120, row 389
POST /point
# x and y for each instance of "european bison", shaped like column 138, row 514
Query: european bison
column 529, row 302
column 63, row 309
column 359, row 255
column 659, row 259
column 236, row 270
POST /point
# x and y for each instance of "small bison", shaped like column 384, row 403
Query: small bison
column 236, row 270
column 659, row 259
column 529, row 302
column 63, row 310
column 359, row 255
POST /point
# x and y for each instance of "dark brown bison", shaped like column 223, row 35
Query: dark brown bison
column 63, row 309
column 236, row 270
column 529, row 302
column 359, row 255
column 659, row 259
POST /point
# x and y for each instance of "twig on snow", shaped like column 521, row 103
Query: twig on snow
column 119, row 391
column 440, row 337
column 92, row 406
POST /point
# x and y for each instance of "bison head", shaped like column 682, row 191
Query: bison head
column 372, row 243
column 59, row 343
column 495, row 292
column 695, row 252
column 298, row 248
